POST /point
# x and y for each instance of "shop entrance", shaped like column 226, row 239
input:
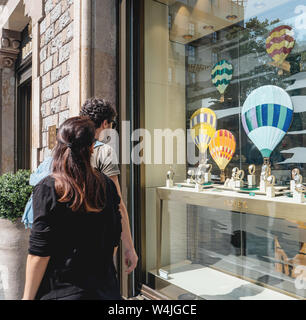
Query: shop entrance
column 24, row 102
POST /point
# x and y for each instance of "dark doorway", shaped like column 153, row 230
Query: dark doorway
column 24, row 125
column 23, row 140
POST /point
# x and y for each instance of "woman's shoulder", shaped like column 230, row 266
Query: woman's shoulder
column 47, row 182
column 46, row 188
column 44, row 193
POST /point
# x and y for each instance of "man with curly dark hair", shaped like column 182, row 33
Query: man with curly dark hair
column 101, row 112
column 104, row 158
column 98, row 110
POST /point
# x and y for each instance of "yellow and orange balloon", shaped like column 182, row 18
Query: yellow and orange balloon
column 222, row 149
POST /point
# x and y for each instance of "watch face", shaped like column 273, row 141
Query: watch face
column 271, row 180
column 208, row 167
column 264, row 170
column 252, row 169
column 234, row 172
column 298, row 179
column 200, row 175
column 190, row 173
column 170, row 175
column 295, row 172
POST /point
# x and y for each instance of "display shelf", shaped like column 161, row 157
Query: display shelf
column 279, row 207
column 192, row 185
column 279, row 191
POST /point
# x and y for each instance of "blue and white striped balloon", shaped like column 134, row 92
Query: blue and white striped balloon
column 266, row 117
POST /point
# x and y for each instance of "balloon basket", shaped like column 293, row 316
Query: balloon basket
column 285, row 66
column 222, row 176
column 266, row 161
column 222, row 99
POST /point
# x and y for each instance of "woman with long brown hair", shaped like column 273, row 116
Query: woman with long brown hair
column 77, row 224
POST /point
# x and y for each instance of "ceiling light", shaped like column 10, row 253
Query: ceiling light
column 231, row 17
column 187, row 36
column 208, row 27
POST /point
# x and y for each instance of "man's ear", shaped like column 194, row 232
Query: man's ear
column 105, row 124
column 92, row 147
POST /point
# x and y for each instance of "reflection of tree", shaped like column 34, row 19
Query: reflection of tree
column 252, row 41
column 257, row 72
column 253, row 46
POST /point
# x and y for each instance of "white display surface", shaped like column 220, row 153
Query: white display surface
column 211, row 284
column 237, row 194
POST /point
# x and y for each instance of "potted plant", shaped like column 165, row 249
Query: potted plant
column 14, row 194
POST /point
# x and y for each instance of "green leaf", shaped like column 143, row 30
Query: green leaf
column 15, row 191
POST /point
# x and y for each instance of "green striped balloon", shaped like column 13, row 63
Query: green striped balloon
column 221, row 76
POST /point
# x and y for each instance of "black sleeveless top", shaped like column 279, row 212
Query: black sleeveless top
column 80, row 245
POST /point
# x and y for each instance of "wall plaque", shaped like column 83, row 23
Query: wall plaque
column 51, row 137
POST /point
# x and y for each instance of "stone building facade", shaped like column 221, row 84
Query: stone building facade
column 54, row 54
column 70, row 60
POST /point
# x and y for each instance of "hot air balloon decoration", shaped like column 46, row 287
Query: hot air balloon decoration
column 279, row 44
column 203, row 124
column 221, row 76
column 266, row 117
column 222, row 149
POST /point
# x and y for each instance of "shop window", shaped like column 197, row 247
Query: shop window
column 244, row 63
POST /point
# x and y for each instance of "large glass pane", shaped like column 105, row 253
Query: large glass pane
column 217, row 254
column 245, row 62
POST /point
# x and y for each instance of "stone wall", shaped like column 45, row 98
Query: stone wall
column 7, row 120
column 56, row 40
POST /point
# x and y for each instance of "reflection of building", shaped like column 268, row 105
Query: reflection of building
column 196, row 19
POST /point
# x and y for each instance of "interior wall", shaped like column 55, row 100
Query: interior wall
column 164, row 109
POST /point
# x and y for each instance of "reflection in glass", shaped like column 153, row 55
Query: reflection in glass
column 209, row 252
